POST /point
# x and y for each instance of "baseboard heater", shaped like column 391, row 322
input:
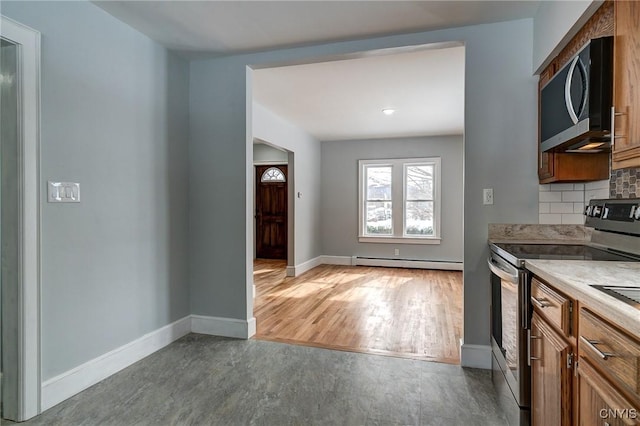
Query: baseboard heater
column 406, row 263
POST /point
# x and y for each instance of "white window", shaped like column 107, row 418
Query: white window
column 273, row 174
column 400, row 201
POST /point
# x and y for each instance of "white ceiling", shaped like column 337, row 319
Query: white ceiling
column 344, row 99
column 338, row 99
column 223, row 27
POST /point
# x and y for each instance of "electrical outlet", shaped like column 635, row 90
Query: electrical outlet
column 396, row 252
column 487, row 196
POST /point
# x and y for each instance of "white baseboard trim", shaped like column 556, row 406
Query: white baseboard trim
column 225, row 327
column 336, row 260
column 294, row 271
column 403, row 263
column 251, row 327
column 69, row 383
column 391, row 263
column 475, row 356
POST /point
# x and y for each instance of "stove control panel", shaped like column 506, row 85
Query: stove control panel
column 617, row 215
column 593, row 211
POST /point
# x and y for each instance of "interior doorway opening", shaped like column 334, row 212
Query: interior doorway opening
column 273, row 207
column 337, row 296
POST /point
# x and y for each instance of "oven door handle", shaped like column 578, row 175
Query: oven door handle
column 503, row 270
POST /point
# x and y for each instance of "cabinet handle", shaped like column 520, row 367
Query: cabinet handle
column 592, row 345
column 529, row 357
column 614, row 114
column 541, row 303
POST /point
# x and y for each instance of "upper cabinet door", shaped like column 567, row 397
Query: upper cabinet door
column 626, row 149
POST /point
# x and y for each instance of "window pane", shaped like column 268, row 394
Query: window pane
column 379, row 183
column 420, row 182
column 419, row 218
column 272, row 174
column 378, row 218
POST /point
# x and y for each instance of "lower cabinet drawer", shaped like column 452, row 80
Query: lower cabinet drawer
column 612, row 351
column 551, row 305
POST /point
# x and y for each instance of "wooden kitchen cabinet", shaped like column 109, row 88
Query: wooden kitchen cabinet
column 585, row 369
column 553, row 348
column 562, row 167
column 600, row 403
column 626, row 85
column 551, row 375
column 608, row 373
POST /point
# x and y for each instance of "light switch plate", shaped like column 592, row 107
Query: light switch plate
column 63, row 192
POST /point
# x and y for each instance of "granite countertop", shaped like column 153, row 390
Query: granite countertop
column 538, row 234
column 539, row 241
column 575, row 277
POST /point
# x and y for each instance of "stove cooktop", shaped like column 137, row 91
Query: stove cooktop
column 630, row 295
column 562, row 252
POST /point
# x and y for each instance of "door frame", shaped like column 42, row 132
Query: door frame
column 29, row 368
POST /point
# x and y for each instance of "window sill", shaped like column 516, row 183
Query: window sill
column 399, row 240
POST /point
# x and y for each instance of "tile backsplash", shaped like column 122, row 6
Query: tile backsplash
column 625, row 183
column 563, row 203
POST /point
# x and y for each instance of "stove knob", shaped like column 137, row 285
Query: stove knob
column 596, row 211
column 587, row 211
column 605, row 214
column 637, row 214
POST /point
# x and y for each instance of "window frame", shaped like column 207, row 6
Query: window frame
column 399, row 200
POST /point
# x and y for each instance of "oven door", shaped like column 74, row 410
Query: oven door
column 510, row 320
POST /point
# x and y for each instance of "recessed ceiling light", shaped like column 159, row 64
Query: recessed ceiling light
column 388, row 111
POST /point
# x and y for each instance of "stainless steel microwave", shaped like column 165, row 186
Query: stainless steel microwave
column 575, row 105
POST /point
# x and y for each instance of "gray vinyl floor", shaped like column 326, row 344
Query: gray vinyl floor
column 204, row 380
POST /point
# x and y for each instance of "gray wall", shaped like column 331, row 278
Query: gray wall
column 500, row 153
column 220, row 172
column 263, row 153
column 114, row 117
column 554, row 25
column 339, row 207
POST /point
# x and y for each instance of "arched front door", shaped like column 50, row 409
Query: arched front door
column 271, row 212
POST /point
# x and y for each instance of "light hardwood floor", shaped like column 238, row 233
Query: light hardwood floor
column 409, row 313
